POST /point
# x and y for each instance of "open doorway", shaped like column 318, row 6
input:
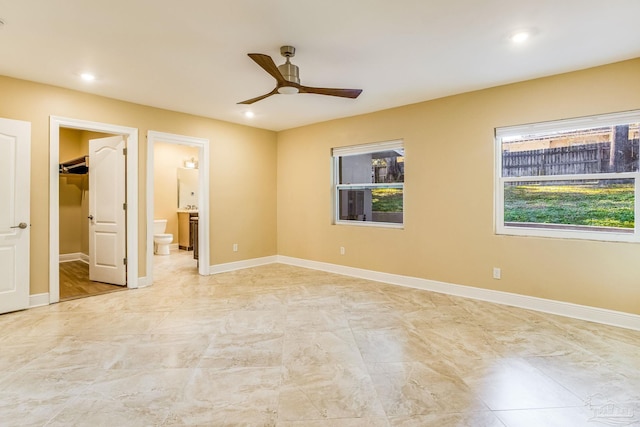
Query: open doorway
column 177, row 199
column 127, row 143
column 83, row 154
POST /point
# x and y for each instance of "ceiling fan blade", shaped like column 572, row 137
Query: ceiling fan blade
column 344, row 93
column 258, row 98
column 268, row 65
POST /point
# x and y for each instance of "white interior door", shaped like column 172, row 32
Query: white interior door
column 107, row 219
column 15, row 143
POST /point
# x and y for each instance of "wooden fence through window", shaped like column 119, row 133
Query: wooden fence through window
column 571, row 160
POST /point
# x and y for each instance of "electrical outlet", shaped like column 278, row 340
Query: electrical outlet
column 497, row 273
column 341, row 250
column 235, row 247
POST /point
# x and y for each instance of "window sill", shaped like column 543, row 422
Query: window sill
column 371, row 224
column 576, row 233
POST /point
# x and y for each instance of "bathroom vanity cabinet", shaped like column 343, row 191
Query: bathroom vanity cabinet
column 186, row 238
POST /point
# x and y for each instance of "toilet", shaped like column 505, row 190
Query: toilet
column 161, row 241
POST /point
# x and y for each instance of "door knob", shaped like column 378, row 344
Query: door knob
column 22, row 225
column 90, row 217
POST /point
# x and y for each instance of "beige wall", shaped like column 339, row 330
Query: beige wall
column 167, row 158
column 449, row 210
column 448, row 234
column 243, row 176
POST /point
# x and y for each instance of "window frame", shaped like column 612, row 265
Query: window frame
column 352, row 150
column 602, row 120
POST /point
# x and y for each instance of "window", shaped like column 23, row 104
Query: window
column 369, row 184
column 573, row 178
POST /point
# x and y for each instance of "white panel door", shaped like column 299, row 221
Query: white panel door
column 107, row 226
column 15, row 143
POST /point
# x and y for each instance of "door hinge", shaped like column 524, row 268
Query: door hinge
column 124, row 151
column 124, row 261
column 124, row 206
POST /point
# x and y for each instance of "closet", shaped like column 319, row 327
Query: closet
column 74, row 170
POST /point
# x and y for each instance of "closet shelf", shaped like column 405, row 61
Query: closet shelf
column 77, row 166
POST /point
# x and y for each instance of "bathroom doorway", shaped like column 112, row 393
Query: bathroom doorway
column 177, row 199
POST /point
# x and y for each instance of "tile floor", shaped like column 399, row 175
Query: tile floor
column 283, row 346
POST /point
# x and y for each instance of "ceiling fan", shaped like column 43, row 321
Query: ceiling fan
column 288, row 79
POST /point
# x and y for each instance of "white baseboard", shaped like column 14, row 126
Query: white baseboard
column 76, row 256
column 239, row 265
column 174, row 246
column 38, row 300
column 582, row 312
column 142, row 282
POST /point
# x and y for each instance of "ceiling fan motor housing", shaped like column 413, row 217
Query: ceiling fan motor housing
column 290, row 72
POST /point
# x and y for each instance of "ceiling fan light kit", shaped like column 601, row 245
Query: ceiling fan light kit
column 288, row 90
column 287, row 78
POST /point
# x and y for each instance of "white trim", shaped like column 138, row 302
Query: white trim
column 397, row 226
column 592, row 314
column 576, row 177
column 600, row 236
column 76, row 256
column 370, row 186
column 131, row 134
column 38, row 300
column 582, row 312
column 239, row 265
column 577, row 123
column 203, row 197
column 373, row 147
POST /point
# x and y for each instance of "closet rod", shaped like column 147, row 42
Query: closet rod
column 71, row 165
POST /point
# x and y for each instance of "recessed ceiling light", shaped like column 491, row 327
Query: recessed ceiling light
column 87, row 77
column 249, row 114
column 520, row 36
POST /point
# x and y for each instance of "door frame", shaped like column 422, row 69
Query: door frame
column 131, row 135
column 203, row 196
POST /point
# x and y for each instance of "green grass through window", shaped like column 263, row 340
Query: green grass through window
column 575, row 204
column 387, row 200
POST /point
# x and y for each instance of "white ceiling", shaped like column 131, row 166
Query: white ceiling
column 190, row 55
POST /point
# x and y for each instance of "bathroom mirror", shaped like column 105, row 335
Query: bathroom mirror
column 187, row 188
